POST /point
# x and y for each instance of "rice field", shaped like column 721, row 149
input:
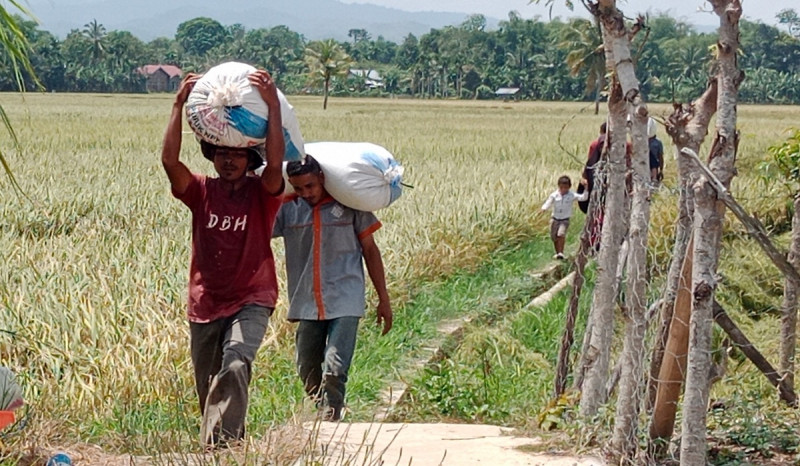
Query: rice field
column 96, row 251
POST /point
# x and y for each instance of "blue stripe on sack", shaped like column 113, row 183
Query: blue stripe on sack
column 247, row 122
column 395, row 186
column 291, row 153
column 395, row 191
column 397, row 179
column 375, row 160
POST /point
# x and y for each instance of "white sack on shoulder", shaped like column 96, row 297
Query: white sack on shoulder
column 225, row 110
column 360, row 175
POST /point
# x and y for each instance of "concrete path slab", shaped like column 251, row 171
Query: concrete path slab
column 433, row 444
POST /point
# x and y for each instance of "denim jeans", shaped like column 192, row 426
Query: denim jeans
column 324, row 352
column 222, row 356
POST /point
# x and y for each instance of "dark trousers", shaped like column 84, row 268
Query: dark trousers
column 222, row 356
column 324, row 352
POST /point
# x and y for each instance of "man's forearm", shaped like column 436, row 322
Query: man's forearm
column 276, row 146
column 170, row 153
column 377, row 275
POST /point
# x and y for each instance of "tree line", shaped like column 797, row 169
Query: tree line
column 555, row 60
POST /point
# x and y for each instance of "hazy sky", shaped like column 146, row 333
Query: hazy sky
column 687, row 10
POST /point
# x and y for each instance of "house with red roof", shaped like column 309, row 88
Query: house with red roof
column 161, row 78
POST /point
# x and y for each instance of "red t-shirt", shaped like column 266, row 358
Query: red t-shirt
column 232, row 263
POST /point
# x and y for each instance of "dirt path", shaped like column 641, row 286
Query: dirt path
column 362, row 444
column 433, row 444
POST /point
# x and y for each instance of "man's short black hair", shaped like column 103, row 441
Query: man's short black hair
column 300, row 167
column 254, row 154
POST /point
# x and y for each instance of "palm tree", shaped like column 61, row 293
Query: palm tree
column 13, row 40
column 326, row 60
column 96, row 33
column 583, row 42
column 688, row 60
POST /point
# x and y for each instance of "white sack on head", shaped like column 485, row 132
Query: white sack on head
column 10, row 391
column 225, row 110
column 360, row 175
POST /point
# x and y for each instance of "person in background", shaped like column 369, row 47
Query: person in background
column 590, row 169
column 232, row 282
column 656, row 153
column 561, row 202
column 325, row 242
column 595, row 152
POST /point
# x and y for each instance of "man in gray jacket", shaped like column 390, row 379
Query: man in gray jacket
column 325, row 243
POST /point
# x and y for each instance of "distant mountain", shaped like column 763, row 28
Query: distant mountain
column 315, row 19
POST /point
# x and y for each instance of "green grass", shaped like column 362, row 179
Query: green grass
column 747, row 431
column 503, row 370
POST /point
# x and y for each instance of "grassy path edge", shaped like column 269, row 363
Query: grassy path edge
column 450, row 332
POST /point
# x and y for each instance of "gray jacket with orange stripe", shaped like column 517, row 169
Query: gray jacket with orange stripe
column 324, row 265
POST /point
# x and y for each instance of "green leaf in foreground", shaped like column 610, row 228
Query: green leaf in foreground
column 16, row 47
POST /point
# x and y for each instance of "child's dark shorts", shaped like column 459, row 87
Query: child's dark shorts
column 558, row 228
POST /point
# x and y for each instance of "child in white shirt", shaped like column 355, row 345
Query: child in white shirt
column 561, row 200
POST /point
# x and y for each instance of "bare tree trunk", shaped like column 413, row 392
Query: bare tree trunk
column 591, row 226
column 688, row 126
column 443, row 83
column 601, row 79
column 682, row 234
column 789, row 306
column 626, row 423
column 597, row 101
column 583, row 363
column 567, row 338
column 325, row 98
column 594, row 225
column 673, row 368
column 605, row 292
column 707, row 235
column 630, row 393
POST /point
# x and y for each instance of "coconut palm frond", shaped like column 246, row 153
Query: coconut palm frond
column 17, row 47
